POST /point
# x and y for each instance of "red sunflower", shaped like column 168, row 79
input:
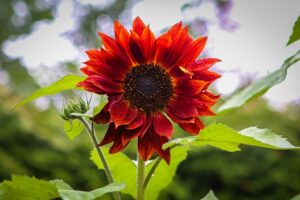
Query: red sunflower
column 146, row 79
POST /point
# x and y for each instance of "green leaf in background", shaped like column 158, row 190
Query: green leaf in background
column 73, row 128
column 259, row 87
column 223, row 137
column 296, row 32
column 102, row 102
column 67, row 193
column 26, row 188
column 296, row 197
column 164, row 173
column 66, row 83
column 210, row 196
column 126, row 171
column 123, row 169
column 61, row 185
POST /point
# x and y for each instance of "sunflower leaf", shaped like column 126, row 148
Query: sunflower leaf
column 259, row 87
column 296, row 197
column 296, row 32
column 123, row 169
column 73, row 128
column 210, row 196
column 164, row 173
column 26, row 188
column 127, row 173
column 66, row 83
column 223, row 137
column 102, row 102
column 67, row 194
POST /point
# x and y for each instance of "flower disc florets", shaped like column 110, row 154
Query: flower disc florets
column 148, row 87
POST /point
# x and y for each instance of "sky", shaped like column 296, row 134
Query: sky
column 255, row 48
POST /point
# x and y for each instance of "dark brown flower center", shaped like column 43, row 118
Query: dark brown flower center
column 148, row 87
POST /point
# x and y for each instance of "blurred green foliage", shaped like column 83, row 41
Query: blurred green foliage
column 32, row 141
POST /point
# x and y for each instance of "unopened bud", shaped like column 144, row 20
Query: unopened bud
column 75, row 106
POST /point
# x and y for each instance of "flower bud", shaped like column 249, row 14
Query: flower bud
column 74, row 106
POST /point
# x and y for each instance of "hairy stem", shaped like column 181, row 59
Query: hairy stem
column 151, row 172
column 153, row 168
column 140, row 178
column 91, row 131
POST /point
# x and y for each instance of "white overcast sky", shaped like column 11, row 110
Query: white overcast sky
column 256, row 47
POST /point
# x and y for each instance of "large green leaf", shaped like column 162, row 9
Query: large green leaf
column 66, row 83
column 67, row 193
column 210, row 196
column 224, row 137
column 123, row 169
column 73, row 128
column 296, row 32
column 164, row 173
column 261, row 86
column 296, row 197
column 26, row 188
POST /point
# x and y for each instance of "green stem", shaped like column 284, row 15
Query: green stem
column 94, row 139
column 151, row 172
column 140, row 178
column 153, row 168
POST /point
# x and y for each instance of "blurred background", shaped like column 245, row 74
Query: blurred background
column 42, row 40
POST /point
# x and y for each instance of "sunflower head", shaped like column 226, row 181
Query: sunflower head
column 149, row 81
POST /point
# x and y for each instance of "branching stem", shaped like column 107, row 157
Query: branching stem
column 91, row 131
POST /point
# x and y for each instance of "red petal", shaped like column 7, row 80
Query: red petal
column 192, row 128
column 128, row 135
column 88, row 70
column 187, row 72
column 164, row 43
column 202, row 64
column 118, row 111
column 145, row 147
column 129, row 117
column 138, row 121
column 162, row 125
column 122, row 38
column 206, row 75
column 116, row 60
column 117, row 145
column 134, row 44
column 146, row 125
column 158, row 142
column 179, row 44
column 207, row 97
column 192, row 51
column 93, row 54
column 87, row 85
column 111, row 45
column 178, row 119
column 189, row 87
column 138, row 25
column 103, row 116
column 108, row 42
column 203, row 108
column 109, row 135
column 96, row 67
column 106, row 85
column 148, row 44
column 183, row 107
